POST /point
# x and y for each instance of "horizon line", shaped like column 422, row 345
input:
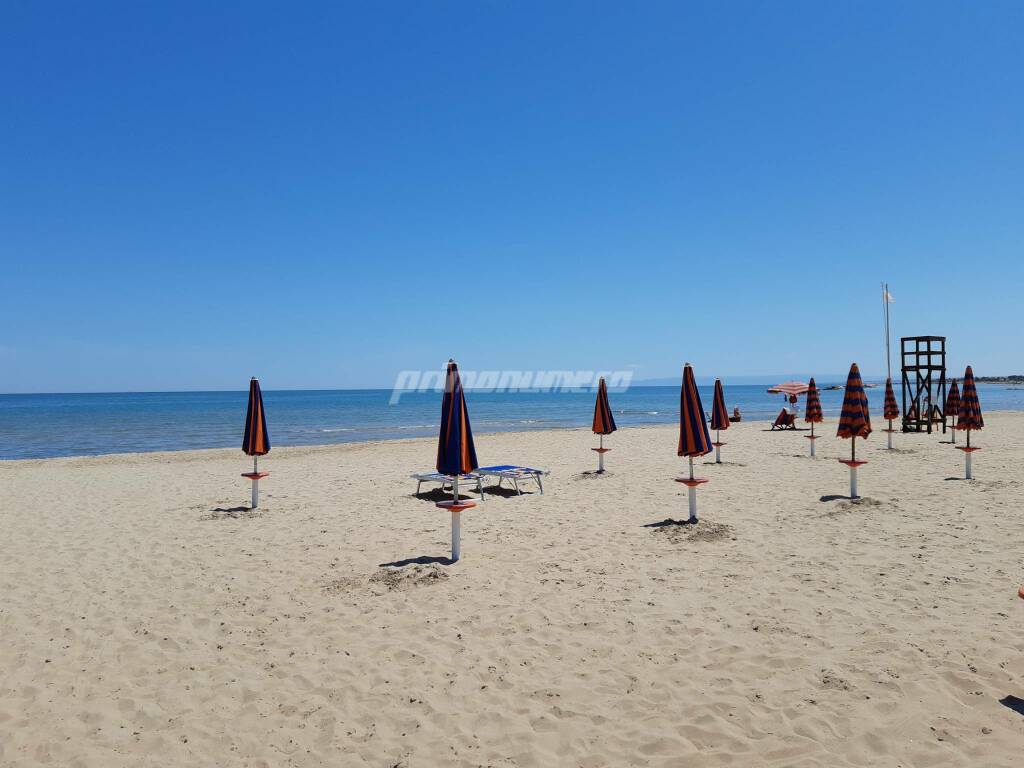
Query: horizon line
column 642, row 384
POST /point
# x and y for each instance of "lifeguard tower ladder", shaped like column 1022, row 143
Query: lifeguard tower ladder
column 924, row 382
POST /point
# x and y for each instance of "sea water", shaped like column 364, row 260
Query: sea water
column 46, row 425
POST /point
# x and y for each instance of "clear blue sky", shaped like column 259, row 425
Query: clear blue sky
column 324, row 194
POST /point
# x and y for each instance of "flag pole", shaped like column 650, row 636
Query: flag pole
column 885, row 307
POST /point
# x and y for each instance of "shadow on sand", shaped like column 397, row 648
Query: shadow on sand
column 669, row 521
column 836, row 497
column 506, row 492
column 421, row 560
column 231, row 513
column 1014, row 703
column 436, row 494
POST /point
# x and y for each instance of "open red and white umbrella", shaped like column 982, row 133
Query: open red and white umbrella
column 792, row 388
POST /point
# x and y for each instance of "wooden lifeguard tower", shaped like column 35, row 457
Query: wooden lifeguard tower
column 923, row 361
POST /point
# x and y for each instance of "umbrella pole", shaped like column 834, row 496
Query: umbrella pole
column 456, row 522
column 691, row 492
column 600, row 454
column 718, row 447
column 812, row 439
column 853, row 468
column 255, row 482
column 967, row 458
column 889, row 434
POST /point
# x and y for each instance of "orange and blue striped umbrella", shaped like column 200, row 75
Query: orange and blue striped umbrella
column 890, row 411
column 604, row 422
column 694, row 438
column 256, row 441
column 969, row 415
column 812, row 411
column 855, row 420
column 456, row 454
column 719, row 413
column 952, row 407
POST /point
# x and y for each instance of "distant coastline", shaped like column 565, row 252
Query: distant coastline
column 1013, row 379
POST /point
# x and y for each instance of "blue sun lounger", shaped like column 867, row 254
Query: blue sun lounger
column 515, row 474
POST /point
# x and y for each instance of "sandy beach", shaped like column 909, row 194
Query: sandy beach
column 148, row 618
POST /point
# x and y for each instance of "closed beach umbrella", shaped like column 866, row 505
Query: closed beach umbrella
column 694, row 438
column 604, row 422
column 969, row 417
column 719, row 418
column 952, row 406
column 812, row 412
column 256, row 440
column 854, row 422
column 890, row 411
column 456, row 454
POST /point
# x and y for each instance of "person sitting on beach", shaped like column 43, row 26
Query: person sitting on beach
column 735, row 414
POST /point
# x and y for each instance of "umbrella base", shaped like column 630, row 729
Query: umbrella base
column 456, row 507
column 691, row 484
column 852, row 464
column 255, row 477
column 968, row 450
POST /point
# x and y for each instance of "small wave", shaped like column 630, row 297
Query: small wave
column 339, row 429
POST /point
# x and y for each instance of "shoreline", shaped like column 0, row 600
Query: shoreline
column 225, row 452
column 140, row 424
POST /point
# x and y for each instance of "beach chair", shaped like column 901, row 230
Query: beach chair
column 513, row 473
column 785, row 420
column 447, row 481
